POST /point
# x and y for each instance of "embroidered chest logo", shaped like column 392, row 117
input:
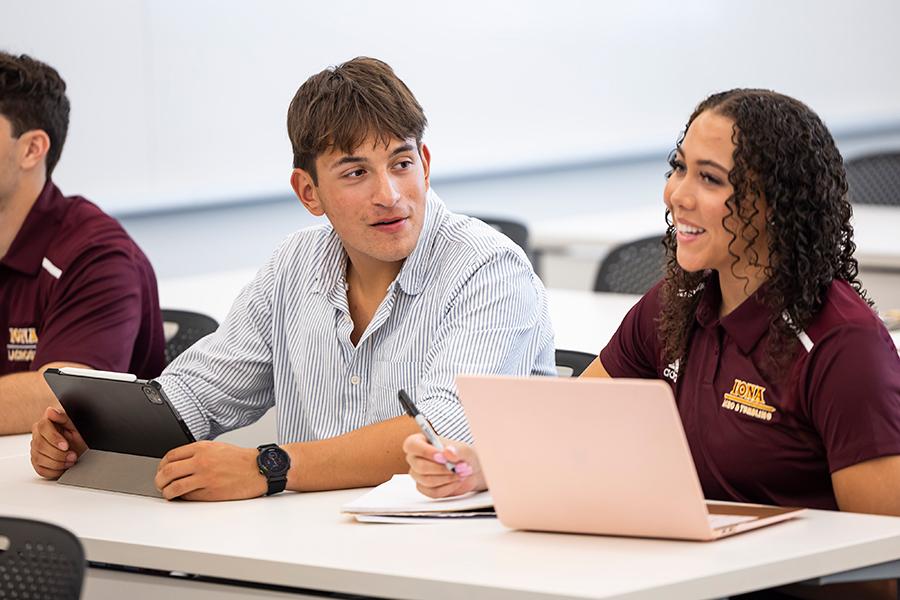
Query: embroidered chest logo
column 671, row 371
column 748, row 399
column 22, row 344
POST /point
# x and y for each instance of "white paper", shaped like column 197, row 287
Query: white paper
column 420, row 519
column 399, row 496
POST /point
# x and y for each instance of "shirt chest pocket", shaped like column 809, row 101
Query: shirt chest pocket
column 388, row 378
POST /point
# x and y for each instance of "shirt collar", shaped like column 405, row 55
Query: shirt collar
column 332, row 263
column 411, row 279
column 29, row 247
column 746, row 325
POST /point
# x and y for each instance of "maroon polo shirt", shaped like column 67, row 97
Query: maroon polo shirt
column 74, row 287
column 755, row 439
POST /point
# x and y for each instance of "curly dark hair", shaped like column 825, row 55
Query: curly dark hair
column 33, row 96
column 784, row 154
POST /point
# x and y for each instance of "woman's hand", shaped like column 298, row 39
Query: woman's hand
column 428, row 467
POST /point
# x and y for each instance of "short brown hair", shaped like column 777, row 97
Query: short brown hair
column 343, row 105
column 33, row 96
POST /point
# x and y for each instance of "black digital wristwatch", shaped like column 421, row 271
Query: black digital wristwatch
column 274, row 463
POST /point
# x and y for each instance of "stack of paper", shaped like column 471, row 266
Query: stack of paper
column 398, row 501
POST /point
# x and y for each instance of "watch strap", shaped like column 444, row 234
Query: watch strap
column 275, row 485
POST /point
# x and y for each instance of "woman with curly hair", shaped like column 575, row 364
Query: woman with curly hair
column 787, row 382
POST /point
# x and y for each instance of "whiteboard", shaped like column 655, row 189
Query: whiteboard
column 180, row 103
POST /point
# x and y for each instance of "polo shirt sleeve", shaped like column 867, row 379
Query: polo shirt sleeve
column 94, row 312
column 634, row 349
column 853, row 395
column 497, row 323
column 225, row 380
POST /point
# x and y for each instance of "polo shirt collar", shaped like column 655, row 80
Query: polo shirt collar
column 746, row 325
column 411, row 279
column 29, row 247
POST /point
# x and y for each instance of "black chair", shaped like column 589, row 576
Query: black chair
column 874, row 179
column 632, row 268
column 572, row 363
column 183, row 328
column 514, row 230
column 39, row 561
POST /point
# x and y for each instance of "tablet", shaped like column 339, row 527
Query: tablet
column 117, row 412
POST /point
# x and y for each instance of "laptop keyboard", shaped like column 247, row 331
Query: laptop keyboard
column 720, row 521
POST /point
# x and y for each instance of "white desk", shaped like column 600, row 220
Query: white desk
column 300, row 541
column 875, row 232
column 211, row 293
column 586, row 320
column 596, row 230
column 15, row 445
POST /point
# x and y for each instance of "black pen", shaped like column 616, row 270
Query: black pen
column 430, row 434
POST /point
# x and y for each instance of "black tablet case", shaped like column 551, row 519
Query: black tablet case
column 127, row 433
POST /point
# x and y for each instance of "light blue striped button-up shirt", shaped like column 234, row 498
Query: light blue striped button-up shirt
column 465, row 301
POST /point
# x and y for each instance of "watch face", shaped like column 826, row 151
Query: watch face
column 274, row 460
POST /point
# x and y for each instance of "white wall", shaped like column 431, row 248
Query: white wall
column 184, row 101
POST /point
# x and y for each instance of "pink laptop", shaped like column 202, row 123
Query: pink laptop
column 604, row 456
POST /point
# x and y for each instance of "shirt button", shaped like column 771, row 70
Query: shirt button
column 354, row 379
column 347, row 319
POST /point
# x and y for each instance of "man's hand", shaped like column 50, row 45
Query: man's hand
column 55, row 444
column 210, row 471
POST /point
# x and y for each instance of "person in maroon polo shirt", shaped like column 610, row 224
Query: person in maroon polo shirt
column 75, row 290
column 787, row 382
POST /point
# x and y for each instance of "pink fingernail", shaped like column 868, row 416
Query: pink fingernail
column 439, row 458
column 62, row 445
column 463, row 469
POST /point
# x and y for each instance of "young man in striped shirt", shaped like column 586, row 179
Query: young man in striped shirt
column 394, row 292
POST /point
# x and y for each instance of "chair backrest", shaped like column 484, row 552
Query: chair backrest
column 514, row 230
column 632, row 268
column 572, row 363
column 874, row 179
column 39, row 561
column 183, row 328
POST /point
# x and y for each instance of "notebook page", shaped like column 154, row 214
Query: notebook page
column 400, row 496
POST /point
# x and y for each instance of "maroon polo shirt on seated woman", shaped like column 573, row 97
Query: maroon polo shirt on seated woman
column 754, row 439
column 74, row 287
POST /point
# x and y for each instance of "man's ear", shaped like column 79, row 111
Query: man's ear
column 303, row 185
column 32, row 148
column 425, row 153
